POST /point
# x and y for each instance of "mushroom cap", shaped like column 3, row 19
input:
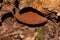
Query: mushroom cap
column 30, row 18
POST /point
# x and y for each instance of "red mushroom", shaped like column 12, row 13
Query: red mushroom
column 30, row 18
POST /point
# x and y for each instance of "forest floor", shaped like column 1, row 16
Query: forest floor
column 10, row 29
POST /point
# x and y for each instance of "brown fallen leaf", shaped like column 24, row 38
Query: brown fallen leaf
column 30, row 18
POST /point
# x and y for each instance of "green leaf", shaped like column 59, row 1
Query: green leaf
column 40, row 31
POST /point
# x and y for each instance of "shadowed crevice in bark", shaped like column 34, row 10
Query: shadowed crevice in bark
column 26, row 9
column 5, row 16
column 1, row 1
column 17, row 3
column 58, row 20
